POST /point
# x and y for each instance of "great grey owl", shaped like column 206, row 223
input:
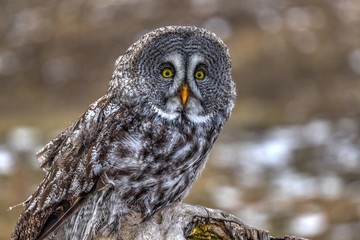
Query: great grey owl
column 141, row 146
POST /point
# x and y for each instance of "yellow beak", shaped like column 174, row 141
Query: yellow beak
column 184, row 94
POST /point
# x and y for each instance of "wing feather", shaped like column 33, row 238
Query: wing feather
column 49, row 151
column 72, row 162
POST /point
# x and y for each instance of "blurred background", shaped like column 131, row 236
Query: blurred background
column 289, row 158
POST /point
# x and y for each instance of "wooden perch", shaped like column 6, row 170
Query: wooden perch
column 189, row 222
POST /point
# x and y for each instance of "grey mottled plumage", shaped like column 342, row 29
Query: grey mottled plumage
column 142, row 145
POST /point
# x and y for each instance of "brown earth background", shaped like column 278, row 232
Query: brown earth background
column 289, row 158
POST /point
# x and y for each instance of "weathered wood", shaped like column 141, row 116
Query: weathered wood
column 189, row 222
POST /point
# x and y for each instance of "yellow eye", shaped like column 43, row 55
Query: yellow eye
column 167, row 73
column 199, row 75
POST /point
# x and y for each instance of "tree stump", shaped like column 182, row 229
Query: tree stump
column 189, row 222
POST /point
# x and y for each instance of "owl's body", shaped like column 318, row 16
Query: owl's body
column 142, row 145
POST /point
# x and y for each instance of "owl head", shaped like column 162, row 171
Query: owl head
column 180, row 73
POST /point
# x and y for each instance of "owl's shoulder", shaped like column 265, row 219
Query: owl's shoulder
column 82, row 132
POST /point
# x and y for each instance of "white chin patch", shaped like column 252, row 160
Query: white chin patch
column 194, row 112
column 172, row 109
column 166, row 115
column 198, row 118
